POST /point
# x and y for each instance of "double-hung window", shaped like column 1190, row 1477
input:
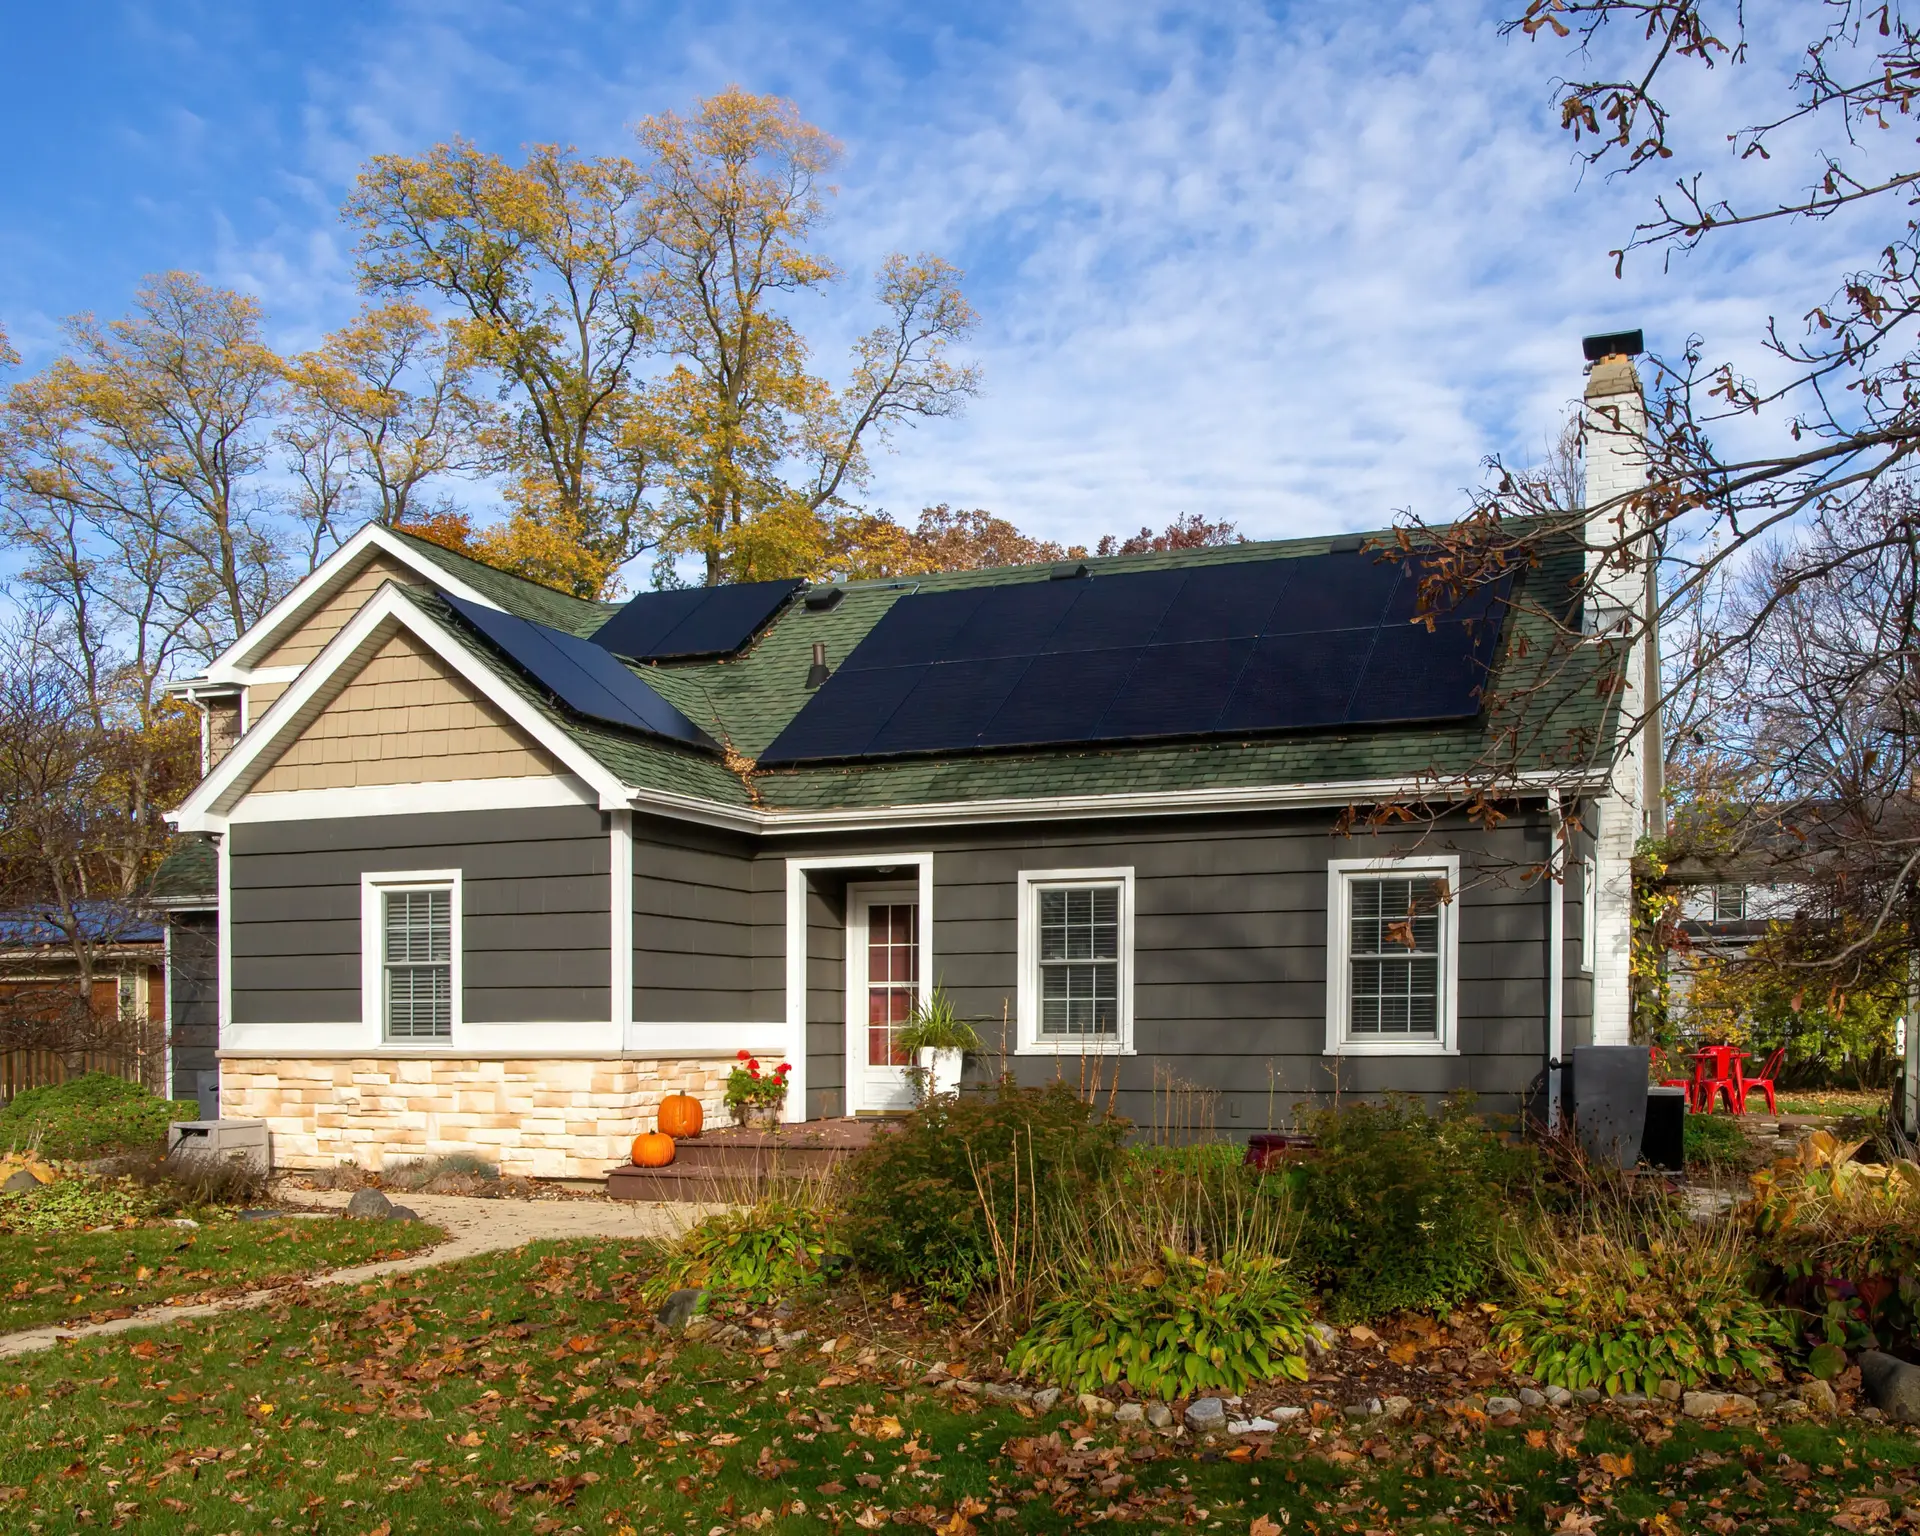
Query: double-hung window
column 410, row 935
column 1076, row 960
column 1391, row 960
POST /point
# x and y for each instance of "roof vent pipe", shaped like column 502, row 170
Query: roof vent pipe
column 818, row 673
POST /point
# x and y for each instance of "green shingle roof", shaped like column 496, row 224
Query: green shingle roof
column 1553, row 708
column 189, row 871
column 518, row 596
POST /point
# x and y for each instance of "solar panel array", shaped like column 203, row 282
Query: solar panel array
column 693, row 621
column 1236, row 648
column 586, row 679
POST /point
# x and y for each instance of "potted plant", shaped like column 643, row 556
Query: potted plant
column 756, row 1097
column 939, row 1039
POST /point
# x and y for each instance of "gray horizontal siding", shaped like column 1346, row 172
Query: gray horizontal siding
column 535, row 911
column 707, row 944
column 1230, row 954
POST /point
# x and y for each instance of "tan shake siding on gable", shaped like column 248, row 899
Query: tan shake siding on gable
column 331, row 617
column 406, row 719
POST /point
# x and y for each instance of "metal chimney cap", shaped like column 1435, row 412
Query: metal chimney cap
column 1613, row 344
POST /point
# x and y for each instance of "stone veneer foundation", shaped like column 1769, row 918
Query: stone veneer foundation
column 541, row 1118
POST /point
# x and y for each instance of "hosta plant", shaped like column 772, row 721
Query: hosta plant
column 772, row 1249
column 1624, row 1313
column 1182, row 1325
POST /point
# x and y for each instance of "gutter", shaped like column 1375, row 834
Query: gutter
column 1556, row 957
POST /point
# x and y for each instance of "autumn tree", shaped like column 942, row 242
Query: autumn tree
column 873, row 545
column 1187, row 531
column 379, row 412
column 544, row 264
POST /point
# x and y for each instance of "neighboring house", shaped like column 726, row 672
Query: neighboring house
column 185, row 890
column 481, row 885
column 44, row 1031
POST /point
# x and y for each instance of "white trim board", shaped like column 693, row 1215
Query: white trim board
column 532, row 791
column 796, row 950
column 520, row 1040
column 1027, row 1037
column 1338, row 871
column 855, row 979
column 620, row 922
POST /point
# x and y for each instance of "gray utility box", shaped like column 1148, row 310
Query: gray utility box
column 1606, row 1088
column 226, row 1141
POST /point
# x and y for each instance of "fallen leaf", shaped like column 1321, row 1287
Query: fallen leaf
column 1262, row 1526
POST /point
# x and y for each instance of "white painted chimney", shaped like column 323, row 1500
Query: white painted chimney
column 1621, row 588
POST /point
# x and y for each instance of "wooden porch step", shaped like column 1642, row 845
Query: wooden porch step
column 735, row 1164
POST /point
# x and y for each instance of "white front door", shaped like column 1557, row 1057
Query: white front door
column 883, row 983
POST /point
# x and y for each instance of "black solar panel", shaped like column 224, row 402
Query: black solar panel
column 580, row 675
column 693, row 621
column 1238, row 648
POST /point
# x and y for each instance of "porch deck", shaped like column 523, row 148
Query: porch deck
column 735, row 1163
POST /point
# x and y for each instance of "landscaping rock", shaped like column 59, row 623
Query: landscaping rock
column 1395, row 1408
column 1130, row 1413
column 369, row 1205
column 1531, row 1399
column 1287, row 1412
column 1206, row 1416
column 183, row 1221
column 1005, row 1392
column 784, row 1340
column 1499, row 1406
column 257, row 1215
column 1630, row 1399
column 402, row 1213
column 1892, row 1385
column 1560, row 1397
column 1818, row 1397
column 1045, row 1399
column 1370, row 1409
column 679, row 1309
column 1262, row 1426
column 1322, row 1339
column 19, row 1182
column 1872, row 1415
column 1716, row 1405
column 1159, row 1415
column 1671, row 1390
column 1588, row 1395
column 1095, row 1407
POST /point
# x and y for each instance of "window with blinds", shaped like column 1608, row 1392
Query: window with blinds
column 1393, row 959
column 418, row 962
column 1079, row 961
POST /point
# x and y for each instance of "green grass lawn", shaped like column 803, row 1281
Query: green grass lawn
column 70, row 1276
column 1837, row 1102
column 528, row 1392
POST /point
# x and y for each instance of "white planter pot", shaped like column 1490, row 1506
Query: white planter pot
column 942, row 1068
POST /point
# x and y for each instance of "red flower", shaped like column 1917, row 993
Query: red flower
column 752, row 1065
column 783, row 1069
column 742, row 1055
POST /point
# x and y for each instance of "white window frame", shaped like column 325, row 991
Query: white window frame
column 373, row 952
column 1589, row 912
column 1031, row 1042
column 1341, row 874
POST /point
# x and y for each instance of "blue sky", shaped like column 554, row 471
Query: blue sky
column 1297, row 265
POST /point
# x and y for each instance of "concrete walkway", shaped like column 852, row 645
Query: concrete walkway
column 473, row 1226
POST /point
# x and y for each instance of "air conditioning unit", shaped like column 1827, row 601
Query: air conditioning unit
column 226, row 1141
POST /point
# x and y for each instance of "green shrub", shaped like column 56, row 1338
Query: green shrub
column 772, row 1249
column 924, row 1200
column 74, row 1205
column 1400, row 1208
column 1716, row 1141
column 1611, row 1310
column 1171, row 1328
column 91, row 1116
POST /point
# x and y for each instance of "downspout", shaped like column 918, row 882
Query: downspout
column 1556, row 956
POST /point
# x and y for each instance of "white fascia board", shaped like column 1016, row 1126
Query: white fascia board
column 230, row 666
column 387, row 612
column 1185, row 802
column 510, row 794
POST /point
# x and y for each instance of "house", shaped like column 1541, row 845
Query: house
column 50, row 1026
column 495, row 868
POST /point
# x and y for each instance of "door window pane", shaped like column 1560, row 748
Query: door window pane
column 893, row 976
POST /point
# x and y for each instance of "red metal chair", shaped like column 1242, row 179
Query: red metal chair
column 1763, row 1079
column 1699, row 1095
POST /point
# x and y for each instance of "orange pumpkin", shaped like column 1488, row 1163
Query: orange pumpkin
column 680, row 1115
column 652, row 1150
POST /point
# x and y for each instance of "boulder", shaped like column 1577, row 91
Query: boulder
column 1095, row 1407
column 369, row 1205
column 1005, row 1392
column 679, row 1309
column 1045, row 1399
column 1130, row 1413
column 1159, row 1415
column 19, row 1182
column 1322, row 1339
column 1396, row 1407
column 1560, row 1397
column 1206, row 1416
column 1259, row 1426
column 1370, row 1409
column 1818, row 1396
column 1287, row 1412
column 1497, row 1407
column 1530, row 1398
column 402, row 1213
column 1716, row 1405
column 1892, row 1385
